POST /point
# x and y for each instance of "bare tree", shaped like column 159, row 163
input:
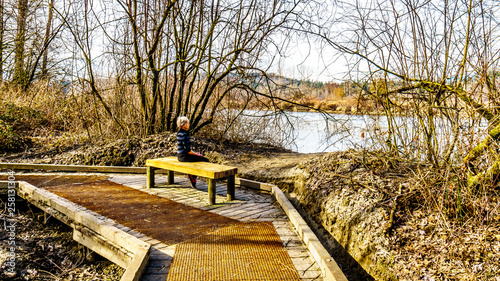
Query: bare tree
column 189, row 55
column 434, row 61
column 26, row 33
column 81, row 26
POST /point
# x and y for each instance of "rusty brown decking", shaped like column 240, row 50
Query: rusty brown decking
column 251, row 206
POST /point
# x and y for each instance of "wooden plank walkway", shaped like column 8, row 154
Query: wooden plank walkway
column 249, row 206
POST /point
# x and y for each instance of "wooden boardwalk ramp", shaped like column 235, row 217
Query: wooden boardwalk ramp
column 250, row 238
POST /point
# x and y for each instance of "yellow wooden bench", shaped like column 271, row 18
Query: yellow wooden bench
column 210, row 171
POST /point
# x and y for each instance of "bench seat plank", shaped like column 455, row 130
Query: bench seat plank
column 201, row 169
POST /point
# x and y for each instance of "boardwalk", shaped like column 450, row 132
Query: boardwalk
column 253, row 223
column 250, row 206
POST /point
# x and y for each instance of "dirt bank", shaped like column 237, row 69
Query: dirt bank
column 134, row 151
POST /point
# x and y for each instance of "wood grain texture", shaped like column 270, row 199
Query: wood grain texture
column 201, row 169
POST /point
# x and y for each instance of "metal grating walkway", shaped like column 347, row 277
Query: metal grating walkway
column 247, row 251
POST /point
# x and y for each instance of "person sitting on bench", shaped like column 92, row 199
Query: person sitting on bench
column 184, row 152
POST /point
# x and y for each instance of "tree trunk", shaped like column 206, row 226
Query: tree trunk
column 47, row 38
column 138, row 64
column 493, row 135
column 19, row 71
column 491, row 176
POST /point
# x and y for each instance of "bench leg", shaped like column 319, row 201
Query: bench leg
column 230, row 188
column 150, row 177
column 211, row 191
column 170, row 179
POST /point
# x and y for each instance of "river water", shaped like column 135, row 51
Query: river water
column 311, row 132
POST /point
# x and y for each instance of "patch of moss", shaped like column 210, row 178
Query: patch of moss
column 10, row 140
column 22, row 118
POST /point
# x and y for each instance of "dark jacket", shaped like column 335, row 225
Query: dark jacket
column 183, row 142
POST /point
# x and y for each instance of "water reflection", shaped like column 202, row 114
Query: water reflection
column 311, row 132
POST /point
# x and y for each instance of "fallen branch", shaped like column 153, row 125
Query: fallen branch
column 390, row 223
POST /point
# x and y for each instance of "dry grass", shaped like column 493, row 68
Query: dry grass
column 426, row 224
column 441, row 228
column 58, row 118
column 52, row 116
column 452, row 232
